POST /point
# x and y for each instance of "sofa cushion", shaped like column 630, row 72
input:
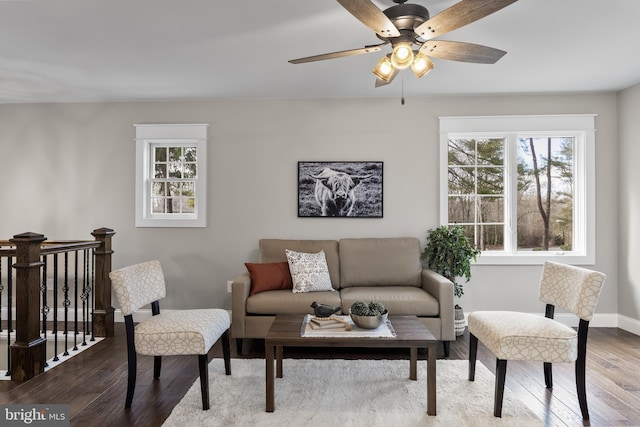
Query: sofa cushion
column 286, row 302
column 399, row 300
column 273, row 250
column 380, row 262
column 309, row 271
column 269, row 276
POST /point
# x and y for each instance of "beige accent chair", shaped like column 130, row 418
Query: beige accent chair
column 172, row 333
column 525, row 336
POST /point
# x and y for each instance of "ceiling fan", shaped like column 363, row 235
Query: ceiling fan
column 411, row 32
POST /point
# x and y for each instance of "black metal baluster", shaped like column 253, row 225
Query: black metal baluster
column 65, row 303
column 1, row 289
column 9, row 311
column 55, row 307
column 91, row 293
column 45, row 308
column 85, row 288
column 75, row 303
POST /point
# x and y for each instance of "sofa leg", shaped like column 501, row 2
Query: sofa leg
column 447, row 346
column 239, row 345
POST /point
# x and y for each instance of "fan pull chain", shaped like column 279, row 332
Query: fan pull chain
column 402, row 95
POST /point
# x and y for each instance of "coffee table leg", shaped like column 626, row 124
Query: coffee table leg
column 270, row 392
column 413, row 363
column 278, row 361
column 431, row 381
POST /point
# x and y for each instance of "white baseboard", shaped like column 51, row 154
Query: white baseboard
column 600, row 320
column 629, row 324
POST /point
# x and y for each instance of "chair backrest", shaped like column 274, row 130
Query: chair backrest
column 574, row 289
column 138, row 285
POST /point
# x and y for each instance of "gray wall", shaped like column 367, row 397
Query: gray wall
column 69, row 168
column 629, row 195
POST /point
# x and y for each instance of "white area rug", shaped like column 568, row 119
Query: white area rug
column 340, row 392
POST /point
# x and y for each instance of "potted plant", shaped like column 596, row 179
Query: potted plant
column 449, row 252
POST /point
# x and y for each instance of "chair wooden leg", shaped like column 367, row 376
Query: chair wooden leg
column 548, row 375
column 239, row 346
column 473, row 351
column 131, row 361
column 157, row 366
column 226, row 352
column 501, row 373
column 581, row 363
column 203, row 363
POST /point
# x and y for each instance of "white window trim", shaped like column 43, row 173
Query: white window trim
column 582, row 126
column 146, row 136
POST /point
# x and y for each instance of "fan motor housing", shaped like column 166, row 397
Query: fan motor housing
column 407, row 16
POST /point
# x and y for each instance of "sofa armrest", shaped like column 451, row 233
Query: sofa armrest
column 240, row 289
column 441, row 288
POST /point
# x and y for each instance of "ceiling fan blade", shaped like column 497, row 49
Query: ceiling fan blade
column 459, row 15
column 371, row 16
column 340, row 54
column 461, row 51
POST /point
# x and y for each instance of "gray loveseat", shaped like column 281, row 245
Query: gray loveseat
column 388, row 270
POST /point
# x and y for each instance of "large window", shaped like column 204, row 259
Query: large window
column 171, row 175
column 521, row 186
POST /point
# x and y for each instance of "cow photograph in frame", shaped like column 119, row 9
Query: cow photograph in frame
column 340, row 189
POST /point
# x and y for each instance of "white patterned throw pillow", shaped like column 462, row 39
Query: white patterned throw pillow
column 309, row 272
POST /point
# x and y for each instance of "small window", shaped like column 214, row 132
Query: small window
column 171, row 175
column 522, row 187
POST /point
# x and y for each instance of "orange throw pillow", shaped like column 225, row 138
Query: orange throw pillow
column 269, row 276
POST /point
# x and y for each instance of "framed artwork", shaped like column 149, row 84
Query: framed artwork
column 340, row 189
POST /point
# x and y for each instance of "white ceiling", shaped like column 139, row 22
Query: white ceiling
column 137, row 50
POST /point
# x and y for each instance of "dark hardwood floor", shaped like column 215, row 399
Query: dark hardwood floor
column 93, row 383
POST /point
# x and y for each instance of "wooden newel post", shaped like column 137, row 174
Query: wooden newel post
column 103, row 311
column 28, row 353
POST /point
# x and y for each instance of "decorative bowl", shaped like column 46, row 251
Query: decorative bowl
column 368, row 322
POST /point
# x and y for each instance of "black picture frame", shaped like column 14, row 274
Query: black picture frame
column 346, row 189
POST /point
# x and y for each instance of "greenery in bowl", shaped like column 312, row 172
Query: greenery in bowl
column 374, row 308
column 368, row 316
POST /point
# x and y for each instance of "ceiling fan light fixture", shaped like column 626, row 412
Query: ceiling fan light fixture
column 421, row 65
column 384, row 69
column 402, row 55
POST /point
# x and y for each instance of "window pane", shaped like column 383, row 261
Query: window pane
column 462, row 151
column 189, row 170
column 175, row 170
column 490, row 152
column 490, row 180
column 188, row 188
column 461, row 180
column 158, row 189
column 490, row 237
column 157, row 205
column 160, row 171
column 491, row 209
column 175, row 154
column 161, row 154
column 188, row 205
column 461, row 209
column 190, row 154
column 545, row 193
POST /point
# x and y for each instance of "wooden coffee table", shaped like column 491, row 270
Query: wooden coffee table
column 410, row 333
